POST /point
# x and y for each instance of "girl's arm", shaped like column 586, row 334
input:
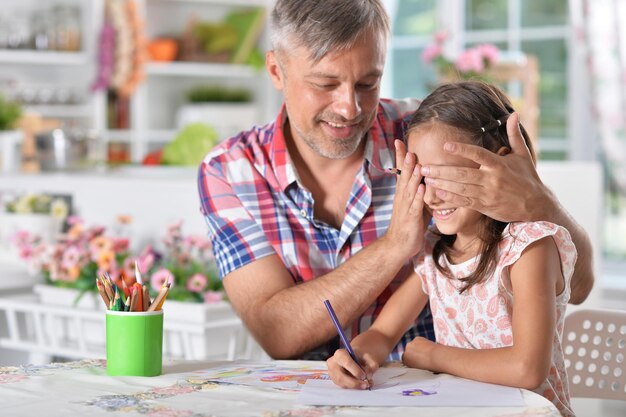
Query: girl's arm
column 536, row 280
column 373, row 346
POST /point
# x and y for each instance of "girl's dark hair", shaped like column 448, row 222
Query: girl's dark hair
column 478, row 111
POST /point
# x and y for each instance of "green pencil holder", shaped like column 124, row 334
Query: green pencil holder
column 134, row 343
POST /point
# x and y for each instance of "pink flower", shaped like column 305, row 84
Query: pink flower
column 441, row 36
column 175, row 228
column 470, row 61
column 489, row 52
column 98, row 245
column 72, row 220
column 213, row 296
column 160, row 277
column 26, row 252
column 120, row 244
column 71, row 257
column 196, row 283
column 146, row 259
column 21, row 237
column 203, row 243
column 431, row 52
column 129, row 267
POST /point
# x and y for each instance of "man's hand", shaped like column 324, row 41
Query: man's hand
column 504, row 187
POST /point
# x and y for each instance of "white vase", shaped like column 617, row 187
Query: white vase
column 43, row 225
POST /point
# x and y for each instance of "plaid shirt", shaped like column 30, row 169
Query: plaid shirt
column 255, row 206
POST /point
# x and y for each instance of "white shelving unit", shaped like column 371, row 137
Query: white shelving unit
column 166, row 83
column 57, row 69
column 154, row 104
column 43, row 57
column 199, row 70
column 62, row 111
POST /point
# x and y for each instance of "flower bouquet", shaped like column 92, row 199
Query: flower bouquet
column 188, row 260
column 84, row 253
column 472, row 63
column 40, row 214
column 77, row 256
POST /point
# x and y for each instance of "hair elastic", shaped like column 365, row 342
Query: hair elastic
column 494, row 125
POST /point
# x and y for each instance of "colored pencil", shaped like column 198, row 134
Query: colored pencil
column 127, row 303
column 146, row 297
column 103, row 294
column 138, row 277
column 344, row 339
column 135, row 298
column 157, row 303
column 107, row 287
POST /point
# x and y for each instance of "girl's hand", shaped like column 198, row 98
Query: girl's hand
column 418, row 353
column 408, row 221
column 343, row 371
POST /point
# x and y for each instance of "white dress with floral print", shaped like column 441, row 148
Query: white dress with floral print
column 480, row 318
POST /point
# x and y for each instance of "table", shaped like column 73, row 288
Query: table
column 190, row 389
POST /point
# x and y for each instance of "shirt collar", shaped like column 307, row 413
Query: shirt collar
column 378, row 148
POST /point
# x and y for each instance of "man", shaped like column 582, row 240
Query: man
column 300, row 210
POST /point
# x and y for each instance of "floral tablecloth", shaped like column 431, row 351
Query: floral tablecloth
column 197, row 389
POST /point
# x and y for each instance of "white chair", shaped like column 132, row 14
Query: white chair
column 594, row 343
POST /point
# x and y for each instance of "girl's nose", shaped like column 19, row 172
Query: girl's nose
column 430, row 196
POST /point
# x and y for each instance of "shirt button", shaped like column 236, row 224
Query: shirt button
column 303, row 213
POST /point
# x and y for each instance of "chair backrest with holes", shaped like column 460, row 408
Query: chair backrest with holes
column 594, row 343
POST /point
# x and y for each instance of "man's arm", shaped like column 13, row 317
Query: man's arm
column 508, row 188
column 289, row 320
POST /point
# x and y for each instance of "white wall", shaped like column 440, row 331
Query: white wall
column 154, row 198
column 578, row 186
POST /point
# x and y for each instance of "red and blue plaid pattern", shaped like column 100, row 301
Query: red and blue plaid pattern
column 254, row 206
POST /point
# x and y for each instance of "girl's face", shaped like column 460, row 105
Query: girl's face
column 427, row 143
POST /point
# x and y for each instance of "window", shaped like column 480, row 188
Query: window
column 537, row 27
column 532, row 26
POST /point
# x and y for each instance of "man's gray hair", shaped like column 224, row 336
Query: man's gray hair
column 323, row 26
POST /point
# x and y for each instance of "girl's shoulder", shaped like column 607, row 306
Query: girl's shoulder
column 533, row 231
column 517, row 236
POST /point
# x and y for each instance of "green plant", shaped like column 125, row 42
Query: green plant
column 10, row 112
column 210, row 93
column 57, row 206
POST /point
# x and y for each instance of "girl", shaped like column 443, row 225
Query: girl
column 497, row 291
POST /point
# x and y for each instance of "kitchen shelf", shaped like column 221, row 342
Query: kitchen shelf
column 248, row 3
column 62, row 111
column 118, row 135
column 42, row 57
column 197, row 69
column 161, row 136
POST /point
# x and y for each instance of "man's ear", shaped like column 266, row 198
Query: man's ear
column 504, row 151
column 274, row 70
